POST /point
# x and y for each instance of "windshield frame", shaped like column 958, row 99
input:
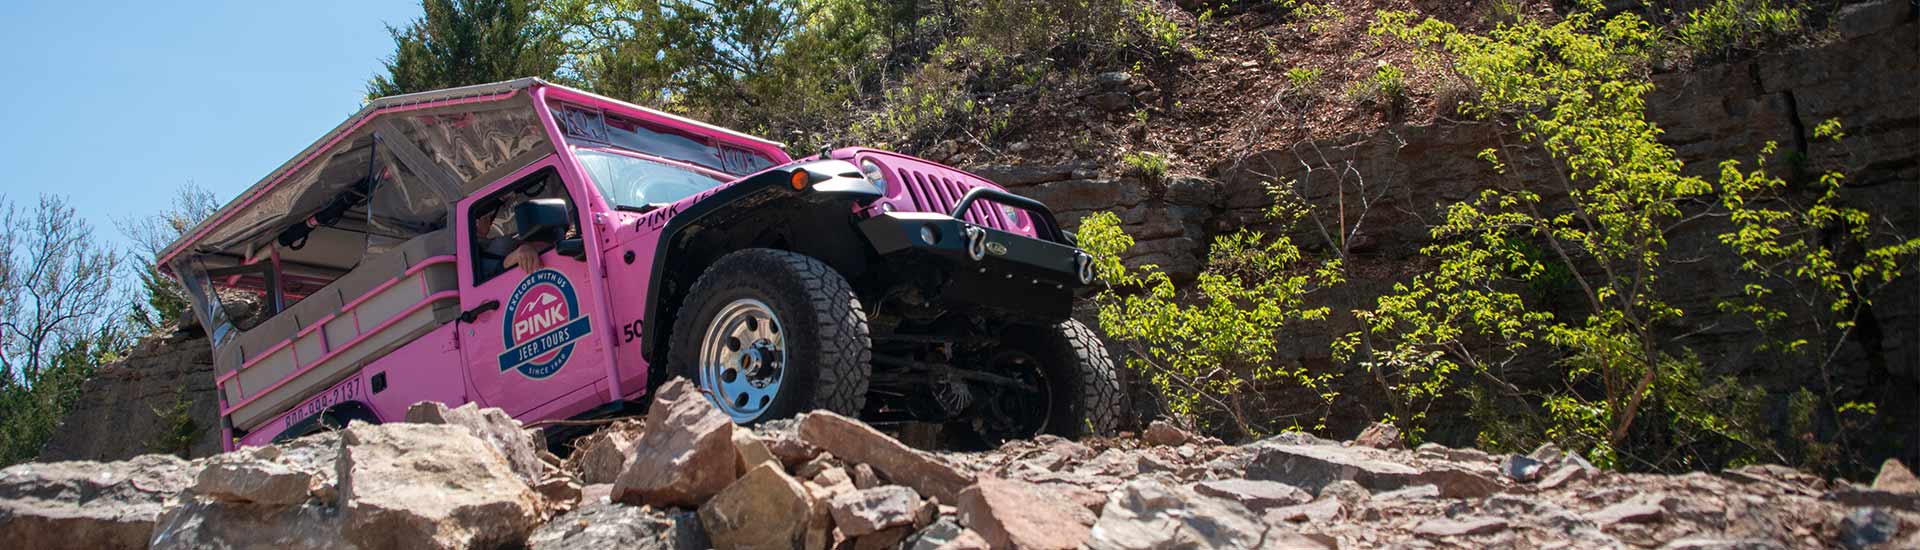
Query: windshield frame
column 600, row 196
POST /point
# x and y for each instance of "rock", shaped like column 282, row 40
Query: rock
column 1085, row 194
column 1416, row 492
column 1194, row 191
column 1255, row 495
column 1635, row 511
column 1318, row 511
column 868, row 511
column 559, row 494
column 200, row 523
column 1866, row 18
column 861, row 444
column 967, row 540
column 491, row 425
column 253, row 475
column 601, row 456
column 1564, row 474
column 1708, row 543
column 1436, row 451
column 686, row 454
column 819, row 465
column 1521, row 468
column 1145, row 514
column 1547, row 453
column 1112, row 80
column 1442, row 527
column 765, row 509
column 113, row 415
column 834, row 476
column 1024, row 175
column 1896, row 478
column 751, row 452
column 790, row 449
column 1312, row 467
column 607, row 526
column 1868, row 527
column 884, row 539
column 864, row 478
column 429, row 486
column 1380, row 435
column 88, row 505
column 934, row 535
column 1015, row 514
column 1163, row 433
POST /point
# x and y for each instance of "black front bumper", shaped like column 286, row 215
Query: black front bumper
column 994, row 270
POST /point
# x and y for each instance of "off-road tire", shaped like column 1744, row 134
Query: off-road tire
column 1081, row 370
column 825, row 330
column 1085, row 393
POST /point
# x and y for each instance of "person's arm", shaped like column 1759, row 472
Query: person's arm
column 526, row 257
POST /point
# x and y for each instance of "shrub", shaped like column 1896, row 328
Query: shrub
column 1727, row 26
column 1210, row 352
column 1152, row 166
column 1302, row 77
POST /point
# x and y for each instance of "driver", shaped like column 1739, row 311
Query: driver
column 501, row 244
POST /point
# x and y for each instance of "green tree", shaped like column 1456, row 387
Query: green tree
column 165, row 300
column 465, row 42
column 1210, row 351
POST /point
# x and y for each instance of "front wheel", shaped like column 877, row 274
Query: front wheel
column 769, row 334
column 1067, row 387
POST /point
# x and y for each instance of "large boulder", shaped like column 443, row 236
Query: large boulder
column 599, row 457
column 255, row 475
column 1147, row 514
column 609, row 526
column 199, row 523
column 430, row 486
column 686, row 454
column 766, row 509
column 1313, row 467
column 88, row 505
column 1016, row 514
column 856, row 442
column 493, row 426
column 868, row 511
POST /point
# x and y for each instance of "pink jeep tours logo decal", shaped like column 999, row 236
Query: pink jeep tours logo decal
column 543, row 322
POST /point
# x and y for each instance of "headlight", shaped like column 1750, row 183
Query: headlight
column 873, row 173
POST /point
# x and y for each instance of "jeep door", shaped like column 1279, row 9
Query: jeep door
column 534, row 343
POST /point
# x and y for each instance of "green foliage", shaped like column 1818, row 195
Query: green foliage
column 1152, row 166
column 1728, row 26
column 1302, row 77
column 1165, row 34
column 30, row 412
column 181, row 430
column 1210, row 351
column 463, row 42
column 1319, row 17
column 1629, row 395
column 166, row 301
column 1386, row 86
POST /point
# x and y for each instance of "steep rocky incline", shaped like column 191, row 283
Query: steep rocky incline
column 687, row 478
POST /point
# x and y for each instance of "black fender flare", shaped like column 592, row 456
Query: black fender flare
column 830, row 181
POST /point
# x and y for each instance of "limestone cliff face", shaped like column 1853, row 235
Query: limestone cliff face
column 126, row 409
column 1868, row 78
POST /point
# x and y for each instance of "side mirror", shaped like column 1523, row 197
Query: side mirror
column 541, row 220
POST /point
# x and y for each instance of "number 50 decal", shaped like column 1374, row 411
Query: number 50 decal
column 630, row 332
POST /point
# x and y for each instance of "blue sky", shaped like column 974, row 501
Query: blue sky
column 116, row 104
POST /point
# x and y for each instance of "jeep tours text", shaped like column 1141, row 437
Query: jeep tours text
column 558, row 254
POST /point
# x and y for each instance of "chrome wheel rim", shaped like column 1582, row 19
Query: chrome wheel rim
column 743, row 359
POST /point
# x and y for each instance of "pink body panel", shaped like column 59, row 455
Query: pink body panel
column 462, row 362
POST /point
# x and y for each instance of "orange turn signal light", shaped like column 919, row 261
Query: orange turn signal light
column 799, row 179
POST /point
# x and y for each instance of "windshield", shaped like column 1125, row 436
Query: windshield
column 635, row 182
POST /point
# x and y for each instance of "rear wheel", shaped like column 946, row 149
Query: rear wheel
column 768, row 334
column 1065, row 386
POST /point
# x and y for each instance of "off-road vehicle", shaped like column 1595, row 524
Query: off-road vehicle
column 557, row 254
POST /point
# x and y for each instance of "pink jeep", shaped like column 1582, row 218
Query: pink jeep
column 558, row 254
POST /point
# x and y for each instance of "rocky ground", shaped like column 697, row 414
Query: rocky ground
column 686, row 477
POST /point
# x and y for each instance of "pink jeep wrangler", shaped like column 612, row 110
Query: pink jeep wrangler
column 558, row 254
